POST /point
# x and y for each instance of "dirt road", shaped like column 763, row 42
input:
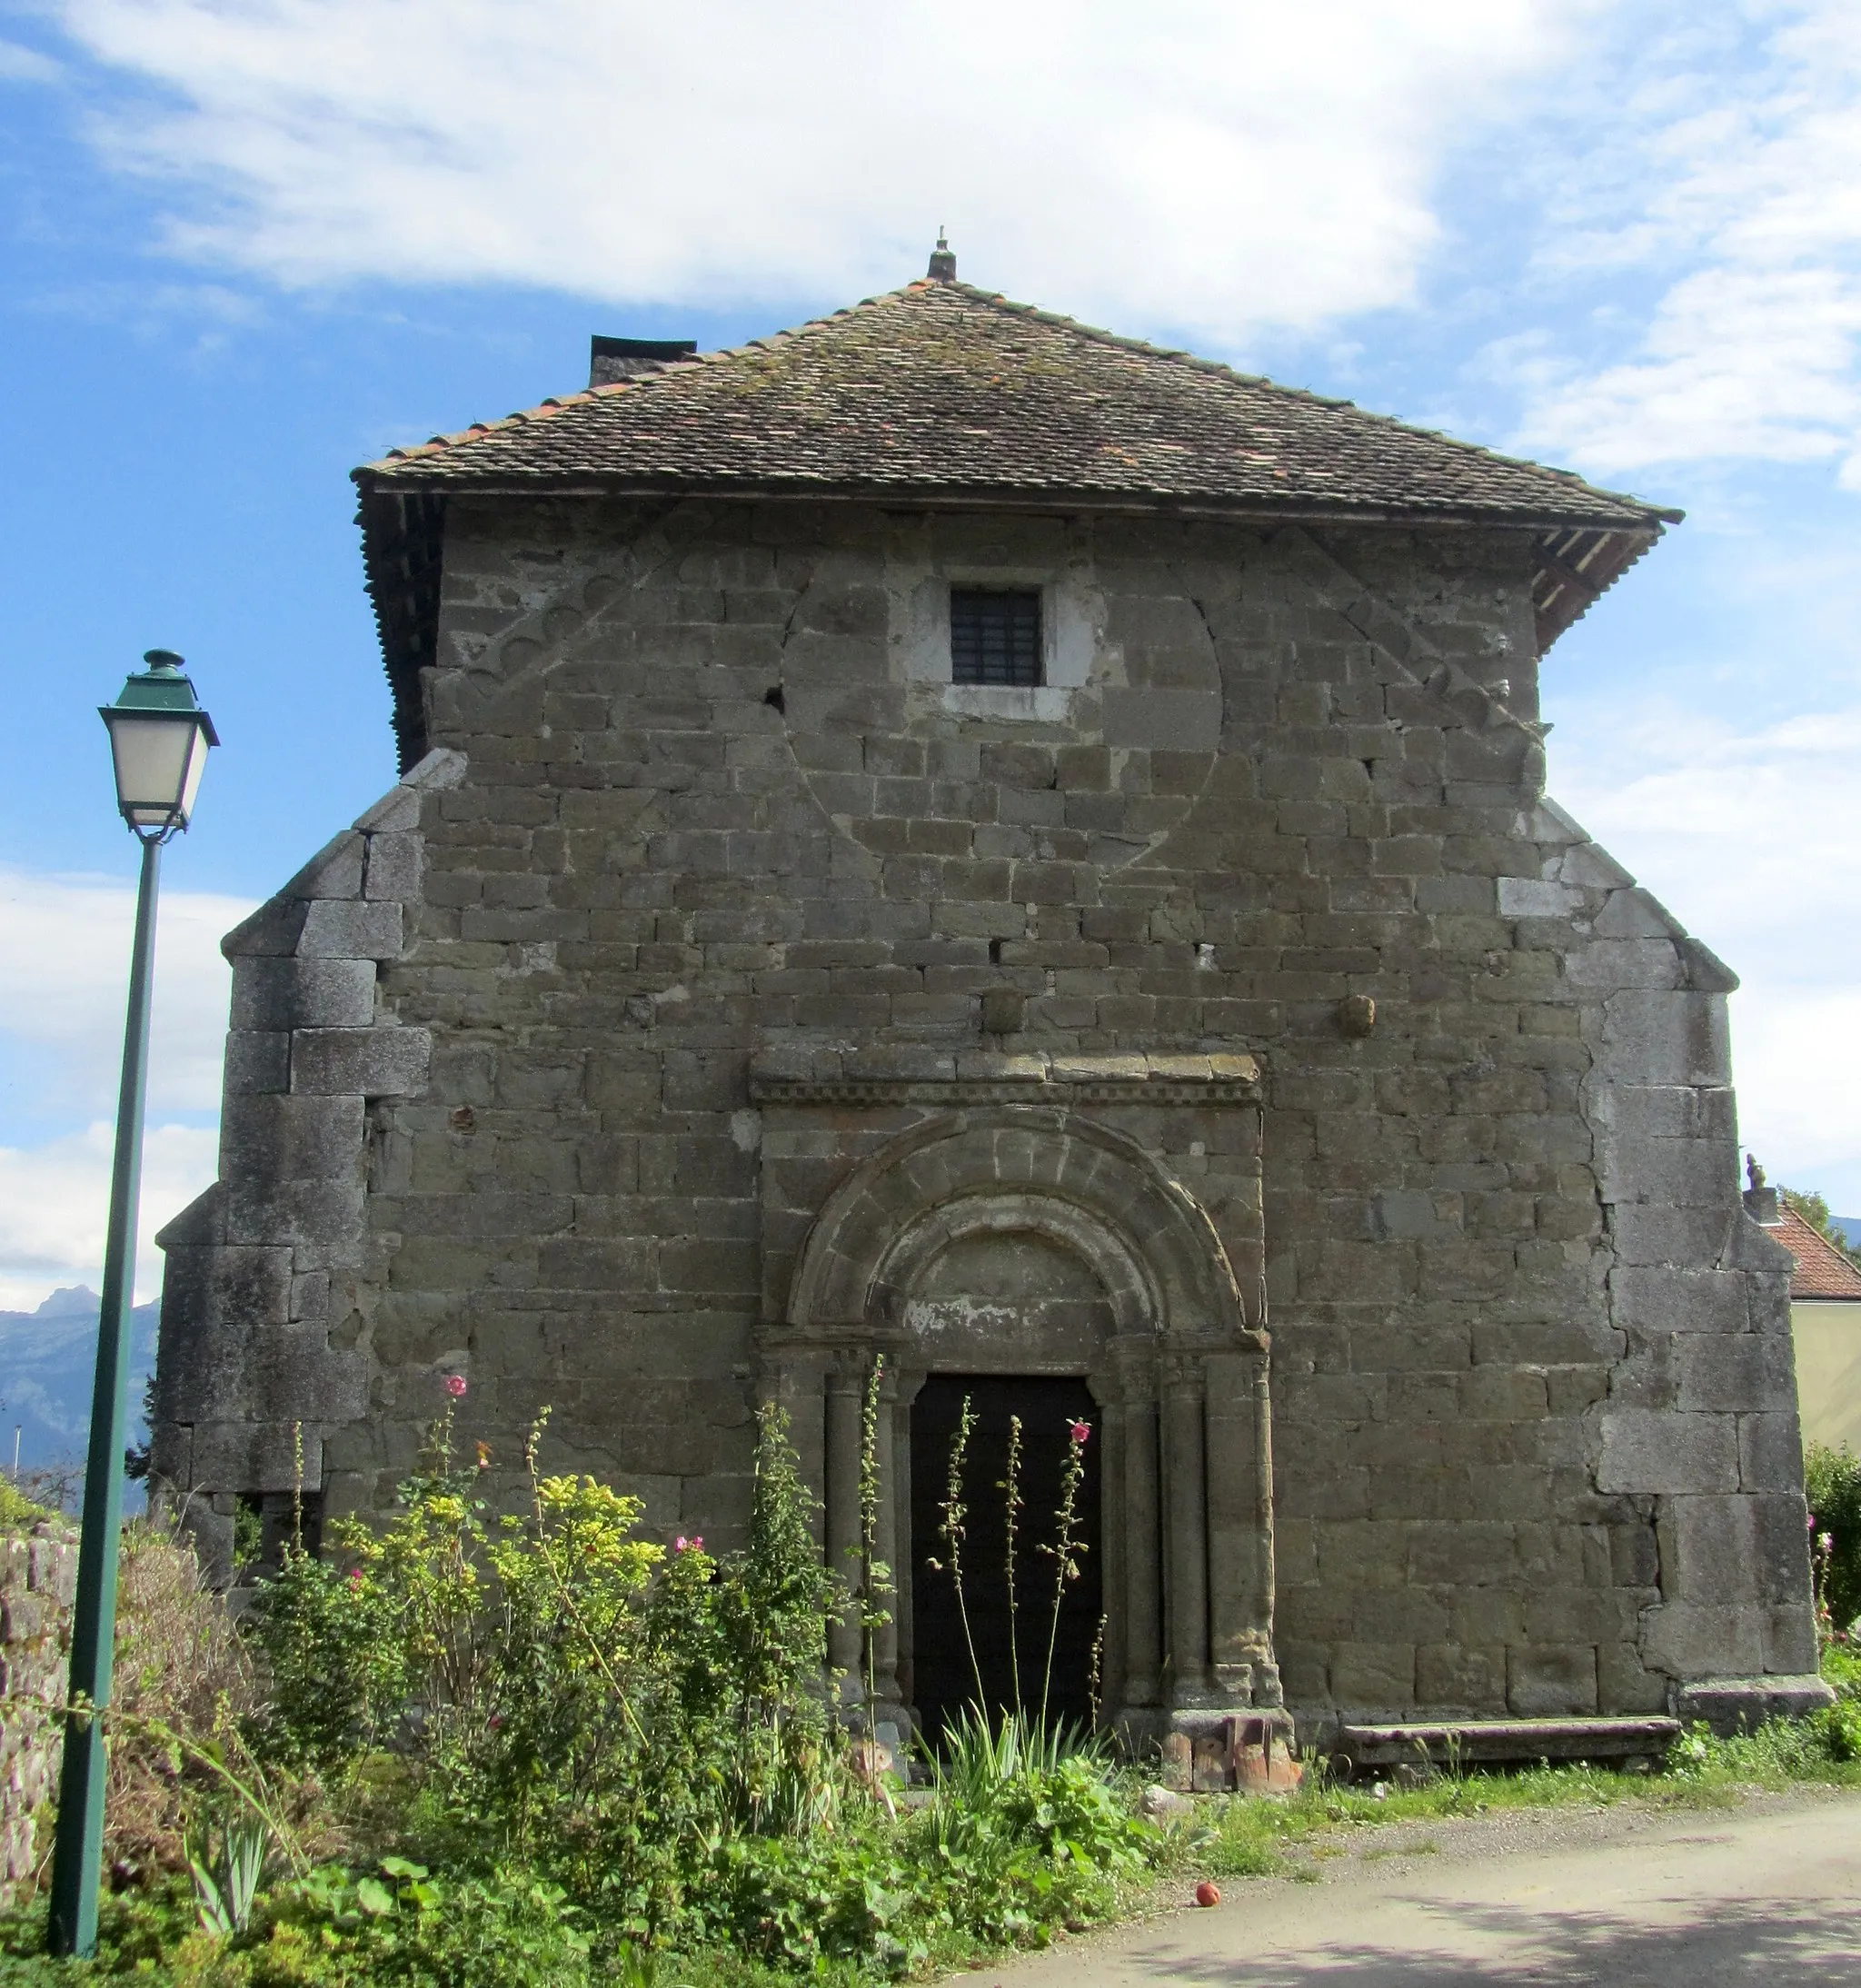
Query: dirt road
column 1767, row 1893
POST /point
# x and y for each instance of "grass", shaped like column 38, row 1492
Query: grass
column 1291, row 1837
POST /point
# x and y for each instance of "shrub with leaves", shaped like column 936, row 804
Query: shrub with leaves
column 564, row 1692
column 1832, row 1480
column 397, row 1923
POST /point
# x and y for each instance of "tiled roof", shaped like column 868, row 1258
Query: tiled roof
column 940, row 389
column 1822, row 1270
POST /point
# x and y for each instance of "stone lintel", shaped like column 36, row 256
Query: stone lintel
column 1041, row 1077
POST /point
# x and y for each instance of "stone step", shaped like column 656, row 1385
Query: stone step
column 1506, row 1740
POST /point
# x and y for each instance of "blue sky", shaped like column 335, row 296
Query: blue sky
column 248, row 243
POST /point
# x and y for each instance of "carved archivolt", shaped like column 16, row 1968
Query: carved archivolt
column 1088, row 1188
column 1185, row 1451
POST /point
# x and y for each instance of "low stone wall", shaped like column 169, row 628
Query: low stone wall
column 39, row 1580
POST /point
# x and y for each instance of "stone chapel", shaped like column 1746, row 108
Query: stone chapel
column 950, row 835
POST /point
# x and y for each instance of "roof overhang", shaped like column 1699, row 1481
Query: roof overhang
column 403, row 519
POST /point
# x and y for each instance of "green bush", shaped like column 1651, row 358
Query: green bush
column 1046, row 1845
column 581, row 1701
column 19, row 1513
column 537, row 1748
column 1832, row 1480
column 399, row 1924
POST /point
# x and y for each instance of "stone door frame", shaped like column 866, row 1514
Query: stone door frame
column 1181, row 1382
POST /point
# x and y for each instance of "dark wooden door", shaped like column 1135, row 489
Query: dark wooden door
column 943, row 1674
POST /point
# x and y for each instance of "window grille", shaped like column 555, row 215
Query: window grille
column 994, row 637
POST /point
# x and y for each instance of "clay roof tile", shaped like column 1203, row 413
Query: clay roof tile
column 1822, row 1270
column 940, row 388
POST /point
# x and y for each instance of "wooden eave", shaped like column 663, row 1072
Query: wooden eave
column 403, row 519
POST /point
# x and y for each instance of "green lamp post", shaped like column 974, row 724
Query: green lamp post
column 159, row 739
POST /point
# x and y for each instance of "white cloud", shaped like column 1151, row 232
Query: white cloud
column 54, row 1204
column 1218, row 163
column 1733, row 177
column 19, row 65
column 63, row 986
column 1748, row 836
column 1800, row 1088
column 1751, row 831
column 65, row 983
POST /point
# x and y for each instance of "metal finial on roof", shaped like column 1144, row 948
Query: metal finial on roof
column 942, row 261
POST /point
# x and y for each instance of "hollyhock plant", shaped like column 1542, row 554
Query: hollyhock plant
column 455, row 1385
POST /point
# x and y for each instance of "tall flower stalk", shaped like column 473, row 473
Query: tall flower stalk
column 1068, row 1547
column 952, row 1531
column 1011, row 1489
column 875, row 1574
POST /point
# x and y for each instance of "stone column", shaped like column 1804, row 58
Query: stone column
column 886, row 1531
column 904, row 1568
column 1142, row 1591
column 1186, row 1526
column 1241, row 1522
column 1113, row 1545
column 843, row 1405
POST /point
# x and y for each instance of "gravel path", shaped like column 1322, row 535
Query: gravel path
column 1635, row 1896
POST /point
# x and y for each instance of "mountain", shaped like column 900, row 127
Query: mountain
column 48, row 1362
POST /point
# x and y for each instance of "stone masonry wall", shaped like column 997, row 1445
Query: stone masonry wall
column 705, row 796
column 269, row 1271
column 39, row 1580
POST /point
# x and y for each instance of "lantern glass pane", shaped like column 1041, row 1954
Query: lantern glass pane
column 152, row 754
column 196, row 766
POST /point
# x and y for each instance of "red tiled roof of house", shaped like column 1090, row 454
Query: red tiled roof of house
column 1822, row 1270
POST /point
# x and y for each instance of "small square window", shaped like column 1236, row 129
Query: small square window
column 994, row 637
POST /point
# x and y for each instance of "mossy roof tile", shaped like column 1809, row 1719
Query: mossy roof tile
column 941, row 389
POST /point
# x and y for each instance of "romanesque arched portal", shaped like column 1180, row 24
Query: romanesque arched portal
column 1002, row 1233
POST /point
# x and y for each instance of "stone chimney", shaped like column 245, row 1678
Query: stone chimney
column 614, row 359
column 1760, row 1197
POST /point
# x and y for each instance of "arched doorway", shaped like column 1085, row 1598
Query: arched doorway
column 1041, row 1244
column 1026, row 1631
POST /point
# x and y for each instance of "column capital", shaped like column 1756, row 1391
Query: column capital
column 1136, row 1365
column 1183, row 1374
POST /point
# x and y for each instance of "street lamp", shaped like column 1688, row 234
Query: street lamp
column 159, row 739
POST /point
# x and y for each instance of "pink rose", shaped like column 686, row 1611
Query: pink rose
column 455, row 1384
